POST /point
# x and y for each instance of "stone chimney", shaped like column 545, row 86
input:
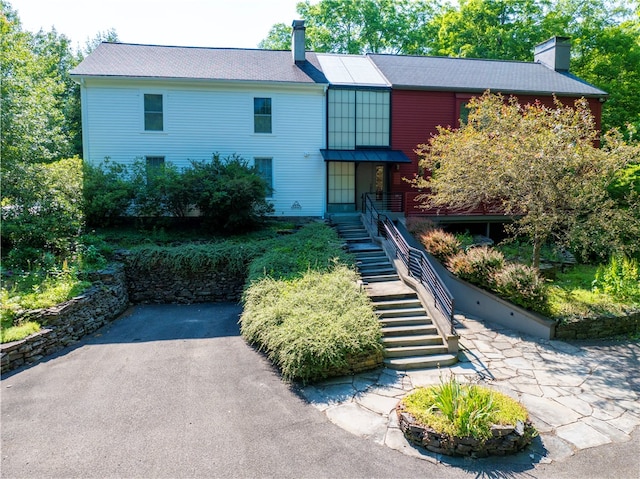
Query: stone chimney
column 297, row 41
column 555, row 53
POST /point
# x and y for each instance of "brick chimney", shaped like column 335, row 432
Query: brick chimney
column 555, row 53
column 297, row 41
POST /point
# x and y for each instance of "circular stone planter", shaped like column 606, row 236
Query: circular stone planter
column 505, row 440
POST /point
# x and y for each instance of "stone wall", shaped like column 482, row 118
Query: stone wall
column 68, row 322
column 504, row 440
column 164, row 286
column 597, row 328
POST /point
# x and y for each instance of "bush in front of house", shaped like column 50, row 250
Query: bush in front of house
column 303, row 308
column 107, row 192
column 310, row 325
column 315, row 246
column 523, row 285
column 41, row 211
column 477, row 265
column 440, row 244
column 229, row 193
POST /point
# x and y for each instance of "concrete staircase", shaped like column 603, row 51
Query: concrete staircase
column 410, row 339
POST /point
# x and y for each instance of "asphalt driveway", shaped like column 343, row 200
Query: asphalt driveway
column 174, row 391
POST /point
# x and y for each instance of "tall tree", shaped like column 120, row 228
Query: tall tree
column 538, row 164
column 360, row 26
column 35, row 90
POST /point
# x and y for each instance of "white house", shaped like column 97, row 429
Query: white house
column 176, row 104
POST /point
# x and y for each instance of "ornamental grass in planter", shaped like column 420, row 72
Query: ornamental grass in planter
column 464, row 420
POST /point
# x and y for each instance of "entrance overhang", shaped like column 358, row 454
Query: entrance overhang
column 370, row 156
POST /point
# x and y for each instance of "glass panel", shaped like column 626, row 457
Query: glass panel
column 262, row 115
column 153, row 117
column 341, row 182
column 265, row 169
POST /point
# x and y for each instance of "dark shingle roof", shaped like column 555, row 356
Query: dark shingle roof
column 475, row 75
column 151, row 61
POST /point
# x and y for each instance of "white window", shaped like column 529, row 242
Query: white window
column 342, row 182
column 265, row 170
column 154, row 167
column 262, row 115
column 153, row 112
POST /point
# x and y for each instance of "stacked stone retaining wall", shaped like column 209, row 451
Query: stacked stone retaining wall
column 160, row 285
column 66, row 323
column 598, row 328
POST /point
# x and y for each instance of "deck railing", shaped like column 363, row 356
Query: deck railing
column 415, row 261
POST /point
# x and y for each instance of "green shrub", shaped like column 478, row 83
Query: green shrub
column 418, row 226
column 230, row 194
column 523, row 285
column 107, row 192
column 620, row 278
column 311, row 324
column 42, row 208
column 315, row 246
column 440, row 244
column 477, row 265
column 463, row 410
column 189, row 258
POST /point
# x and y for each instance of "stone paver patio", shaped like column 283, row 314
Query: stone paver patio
column 578, row 396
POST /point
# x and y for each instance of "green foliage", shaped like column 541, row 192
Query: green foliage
column 107, row 192
column 418, row 226
column 604, row 35
column 440, row 244
column 229, row 193
column 477, row 265
column 315, row 246
column 523, row 285
column 625, row 182
column 42, row 209
column 620, row 278
column 18, row 332
column 233, row 257
column 463, row 410
column 311, row 324
column 539, row 164
column 33, row 290
column 37, row 123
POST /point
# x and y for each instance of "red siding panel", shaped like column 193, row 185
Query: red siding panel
column 417, row 114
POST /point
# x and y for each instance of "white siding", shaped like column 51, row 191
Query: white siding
column 200, row 121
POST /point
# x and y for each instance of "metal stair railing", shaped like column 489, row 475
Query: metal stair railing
column 415, row 261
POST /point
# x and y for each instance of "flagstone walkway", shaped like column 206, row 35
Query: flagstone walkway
column 579, row 396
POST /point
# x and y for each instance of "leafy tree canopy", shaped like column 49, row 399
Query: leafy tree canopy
column 538, row 165
column 605, row 36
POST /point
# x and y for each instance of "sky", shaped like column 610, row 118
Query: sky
column 206, row 23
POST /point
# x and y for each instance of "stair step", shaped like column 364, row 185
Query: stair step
column 401, row 303
column 380, row 278
column 409, row 351
column 382, row 298
column 377, row 271
column 410, row 341
column 405, row 321
column 364, row 248
column 368, row 263
column 419, row 362
column 402, row 313
column 409, row 330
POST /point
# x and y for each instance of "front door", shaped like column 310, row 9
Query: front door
column 370, row 178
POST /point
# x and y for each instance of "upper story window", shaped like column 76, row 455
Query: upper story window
column 358, row 118
column 153, row 112
column 262, row 115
